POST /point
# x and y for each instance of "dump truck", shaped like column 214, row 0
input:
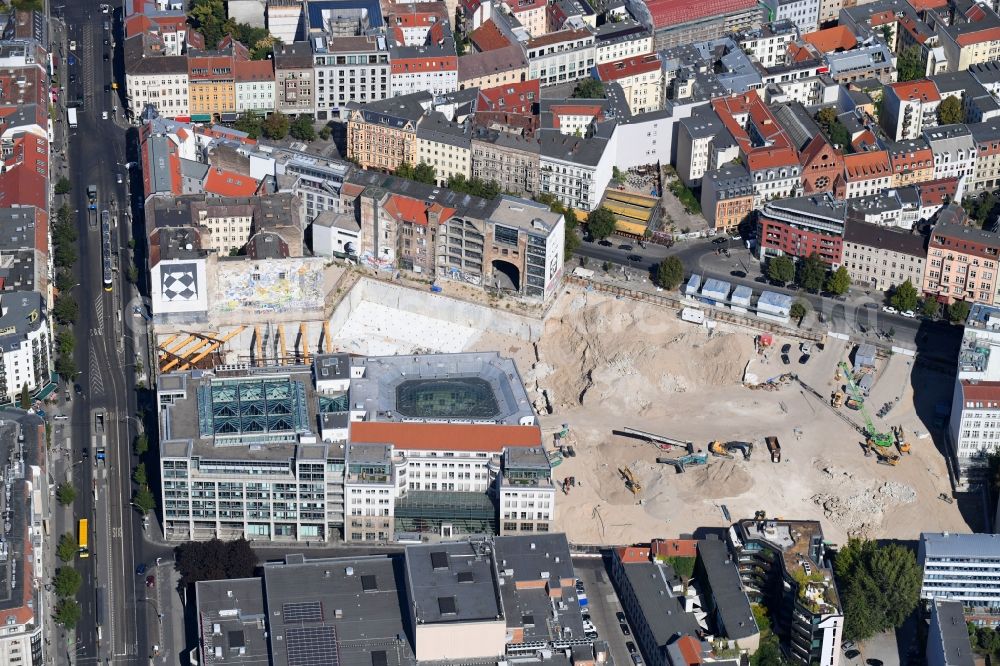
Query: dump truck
column 774, row 448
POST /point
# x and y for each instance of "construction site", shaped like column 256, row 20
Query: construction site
column 656, row 426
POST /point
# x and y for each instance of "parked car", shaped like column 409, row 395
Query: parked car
column 785, row 360
column 630, row 646
column 786, row 348
column 625, row 629
column 140, row 569
column 720, row 240
column 852, row 654
column 634, row 258
column 625, row 246
column 889, row 309
column 72, row 45
column 620, row 616
column 803, row 359
column 605, row 242
column 873, row 662
column 592, row 635
column 150, row 581
column 910, row 314
column 636, row 659
column 805, row 348
column 738, row 274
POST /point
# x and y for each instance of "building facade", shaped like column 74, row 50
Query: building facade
column 964, row 568
column 348, row 69
column 882, row 257
column 961, row 260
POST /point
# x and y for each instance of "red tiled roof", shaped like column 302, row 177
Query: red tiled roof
column 621, row 69
column 227, row 183
column 255, row 70
column 414, row 211
column 488, row 37
column 922, row 5
column 517, row 6
column 690, row 650
column 25, row 180
column 633, row 554
column 137, row 24
column 779, row 150
column 867, row 165
column 975, row 13
column 831, row 39
column 511, row 98
column 922, row 90
column 935, row 192
column 446, row 436
column 988, row 392
column 675, row 547
column 881, row 18
column 979, row 36
column 667, row 13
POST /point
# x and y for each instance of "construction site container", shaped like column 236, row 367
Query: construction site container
column 716, row 290
column 693, row 315
column 864, row 356
column 774, row 306
column 693, row 285
column 774, row 448
column 866, row 383
column 740, row 300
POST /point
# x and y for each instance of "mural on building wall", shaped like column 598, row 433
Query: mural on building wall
column 272, row 286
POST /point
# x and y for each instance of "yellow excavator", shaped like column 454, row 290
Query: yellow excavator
column 631, row 482
column 901, row 443
column 837, row 399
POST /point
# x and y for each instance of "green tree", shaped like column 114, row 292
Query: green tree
column 66, row 367
column 909, row 64
column 67, row 613
column 425, row 173
column 571, row 236
column 302, row 128
column 67, row 581
column 589, row 89
column 904, row 297
column 671, row 273
column 139, row 475
column 66, row 493
column 214, row 560
column 929, row 307
column 601, row 223
column 781, row 269
column 768, row 654
column 25, row 400
column 761, row 617
column 950, row 111
column 65, row 255
column 958, row 312
column 879, row 586
column 67, row 548
column 63, row 186
column 812, row 273
column 839, row 282
column 826, row 116
column 66, row 310
column 404, row 170
column 208, row 17
column 64, row 281
column 325, row 132
column 65, row 342
column 275, row 126
column 616, row 175
column 251, row 123
column 141, row 445
column 144, row 500
column 799, row 310
column 473, row 186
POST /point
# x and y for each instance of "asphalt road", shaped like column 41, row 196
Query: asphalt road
column 103, row 355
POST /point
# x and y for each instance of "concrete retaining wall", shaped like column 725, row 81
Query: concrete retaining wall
column 441, row 307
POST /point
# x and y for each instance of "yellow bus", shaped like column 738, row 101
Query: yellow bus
column 82, row 529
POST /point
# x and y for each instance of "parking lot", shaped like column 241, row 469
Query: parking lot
column 602, row 605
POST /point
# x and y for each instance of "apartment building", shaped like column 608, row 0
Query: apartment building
column 158, row 80
column 560, row 57
column 575, row 170
column 444, row 145
column 24, row 607
column 679, row 22
column 971, row 40
column 492, row 68
column 531, row 14
column 961, row 260
column 727, row 197
column 510, row 160
column 620, row 40
column 954, row 150
column 24, row 334
column 212, row 80
column 383, row 135
column 363, row 446
column 783, row 565
column 804, row 14
column 911, row 160
column 293, row 78
column 431, row 67
column 768, row 44
column 347, row 69
column 986, row 176
column 641, row 79
column 948, row 638
column 964, row 568
column 909, row 108
column 254, row 86
column 801, row 226
column 881, row 258
column 315, row 181
column 696, row 144
column 866, row 173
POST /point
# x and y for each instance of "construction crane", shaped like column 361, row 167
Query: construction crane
column 879, row 439
column 631, row 482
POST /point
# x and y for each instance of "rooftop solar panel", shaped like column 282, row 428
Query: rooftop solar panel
column 307, row 611
column 312, row 646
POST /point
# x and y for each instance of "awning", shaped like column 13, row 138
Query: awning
column 201, row 117
column 630, row 227
column 229, row 117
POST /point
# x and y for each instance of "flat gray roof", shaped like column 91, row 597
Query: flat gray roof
column 231, row 615
column 732, row 604
column 453, row 582
column 652, row 584
column 951, row 545
column 949, row 621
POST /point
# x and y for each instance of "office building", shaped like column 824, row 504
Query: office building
column 964, row 568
